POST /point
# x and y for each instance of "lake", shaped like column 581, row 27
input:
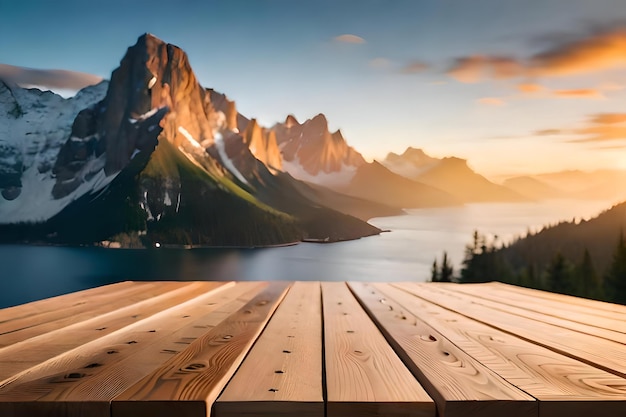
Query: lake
column 406, row 253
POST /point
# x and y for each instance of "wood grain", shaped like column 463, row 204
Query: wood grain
column 88, row 306
column 602, row 353
column 554, row 379
column 606, row 328
column 591, row 307
column 460, row 385
column 188, row 383
column 114, row 364
column 285, row 363
column 364, row 376
column 33, row 351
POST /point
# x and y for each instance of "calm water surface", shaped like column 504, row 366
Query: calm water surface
column 406, row 253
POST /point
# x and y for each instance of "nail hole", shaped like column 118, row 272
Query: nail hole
column 93, row 365
column 433, row 338
column 111, row 352
column 74, row 375
column 446, row 353
column 132, row 342
column 211, row 304
column 101, row 328
column 357, row 351
column 291, row 336
column 151, row 331
column 273, row 390
column 339, row 303
column 286, row 351
column 278, row 372
column 350, row 331
column 185, row 316
column 248, row 312
column 135, row 316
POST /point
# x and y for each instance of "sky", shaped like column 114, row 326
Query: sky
column 513, row 86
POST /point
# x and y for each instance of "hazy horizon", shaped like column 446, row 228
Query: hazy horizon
column 514, row 88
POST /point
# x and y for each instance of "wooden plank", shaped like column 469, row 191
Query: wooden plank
column 460, row 385
column 602, row 353
column 543, row 311
column 189, row 383
column 555, row 380
column 120, row 364
column 31, row 352
column 588, row 306
column 364, row 376
column 49, row 304
column 285, row 363
column 18, row 330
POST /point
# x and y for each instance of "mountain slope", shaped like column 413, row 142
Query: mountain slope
column 533, row 188
column 374, row 182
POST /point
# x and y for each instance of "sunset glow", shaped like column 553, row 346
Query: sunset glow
column 511, row 88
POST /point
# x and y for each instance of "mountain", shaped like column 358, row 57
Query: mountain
column 599, row 185
column 310, row 152
column 533, row 188
column 411, row 163
column 34, row 126
column 158, row 159
column 374, row 182
column 455, row 177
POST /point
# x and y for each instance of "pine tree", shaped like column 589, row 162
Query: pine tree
column 447, row 270
column 615, row 280
column 559, row 275
column 434, row 272
column 588, row 283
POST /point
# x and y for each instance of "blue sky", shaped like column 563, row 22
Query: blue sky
column 514, row 86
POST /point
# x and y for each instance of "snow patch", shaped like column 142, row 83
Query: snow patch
column 228, row 163
column 190, row 138
column 340, row 178
column 144, row 116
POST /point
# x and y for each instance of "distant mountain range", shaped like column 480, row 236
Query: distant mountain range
column 152, row 157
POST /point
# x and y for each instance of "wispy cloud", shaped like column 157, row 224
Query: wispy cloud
column 47, row 78
column 578, row 93
column 600, row 127
column 380, row 63
column 491, row 101
column 589, row 53
column 476, row 68
column 415, row 67
column 349, row 38
column 549, row 132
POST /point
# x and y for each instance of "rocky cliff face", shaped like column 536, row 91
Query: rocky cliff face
column 411, row 163
column 311, row 152
column 263, row 145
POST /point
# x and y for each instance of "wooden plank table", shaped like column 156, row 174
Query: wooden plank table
column 311, row 349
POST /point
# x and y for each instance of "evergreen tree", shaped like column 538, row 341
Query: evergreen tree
column 447, row 270
column 588, row 283
column 615, row 280
column 559, row 275
column 434, row 272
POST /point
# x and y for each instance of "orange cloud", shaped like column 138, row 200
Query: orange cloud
column 601, row 133
column 491, row 101
column 595, row 53
column 530, row 88
column 47, row 78
column 476, row 68
column 349, row 38
column 578, row 93
column 608, row 118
